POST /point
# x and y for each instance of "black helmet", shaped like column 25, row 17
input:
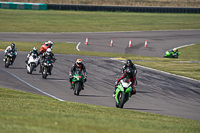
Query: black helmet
column 129, row 62
column 129, row 72
column 12, row 45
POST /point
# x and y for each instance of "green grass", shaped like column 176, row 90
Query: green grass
column 179, row 66
column 22, row 112
column 74, row 21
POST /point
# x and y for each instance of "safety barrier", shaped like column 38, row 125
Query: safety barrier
column 123, row 8
column 20, row 5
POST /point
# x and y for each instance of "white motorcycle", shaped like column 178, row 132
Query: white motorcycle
column 32, row 63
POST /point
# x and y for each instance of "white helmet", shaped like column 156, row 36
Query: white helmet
column 50, row 42
column 79, row 62
column 48, row 51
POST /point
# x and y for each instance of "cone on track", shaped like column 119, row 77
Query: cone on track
column 111, row 42
column 129, row 45
column 86, row 41
column 145, row 44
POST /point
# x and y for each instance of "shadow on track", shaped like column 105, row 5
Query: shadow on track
column 92, row 96
column 139, row 109
column 12, row 67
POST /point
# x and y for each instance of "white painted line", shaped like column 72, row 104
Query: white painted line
column 184, row 46
column 159, row 71
column 78, row 46
column 32, row 86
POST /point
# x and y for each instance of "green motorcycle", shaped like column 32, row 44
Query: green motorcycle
column 77, row 82
column 123, row 92
column 171, row 54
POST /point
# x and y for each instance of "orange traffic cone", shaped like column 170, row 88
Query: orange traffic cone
column 111, row 42
column 129, row 45
column 86, row 41
column 145, row 44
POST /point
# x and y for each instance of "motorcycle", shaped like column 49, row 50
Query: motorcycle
column 77, row 82
column 9, row 59
column 46, row 68
column 123, row 92
column 171, row 54
column 32, row 63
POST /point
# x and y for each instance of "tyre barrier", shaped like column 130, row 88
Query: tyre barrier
column 123, row 8
column 20, row 5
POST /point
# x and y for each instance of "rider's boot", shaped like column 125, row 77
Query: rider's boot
column 83, row 87
column 114, row 94
column 26, row 61
column 71, row 87
column 133, row 92
column 40, row 71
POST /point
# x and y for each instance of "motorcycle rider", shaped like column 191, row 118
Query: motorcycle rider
column 33, row 52
column 9, row 49
column 45, row 46
column 78, row 66
column 129, row 74
column 175, row 50
column 129, row 64
column 47, row 56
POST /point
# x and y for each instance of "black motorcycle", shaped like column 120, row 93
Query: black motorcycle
column 47, row 67
column 9, row 59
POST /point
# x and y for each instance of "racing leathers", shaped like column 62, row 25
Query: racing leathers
column 9, row 49
column 47, row 57
column 76, row 68
column 132, row 79
column 31, row 53
column 131, row 65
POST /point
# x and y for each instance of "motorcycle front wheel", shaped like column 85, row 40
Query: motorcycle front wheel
column 44, row 73
column 121, row 100
column 77, row 88
column 7, row 63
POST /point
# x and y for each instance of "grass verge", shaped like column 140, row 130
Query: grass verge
column 22, row 112
column 74, row 21
column 183, row 66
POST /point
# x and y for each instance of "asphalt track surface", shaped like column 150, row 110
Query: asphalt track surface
column 157, row 92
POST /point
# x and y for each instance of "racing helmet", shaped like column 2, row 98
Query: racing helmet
column 48, row 51
column 79, row 62
column 129, row 62
column 49, row 42
column 175, row 49
column 129, row 72
column 34, row 50
column 12, row 45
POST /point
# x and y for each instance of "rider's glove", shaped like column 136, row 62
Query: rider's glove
column 85, row 79
column 70, row 75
